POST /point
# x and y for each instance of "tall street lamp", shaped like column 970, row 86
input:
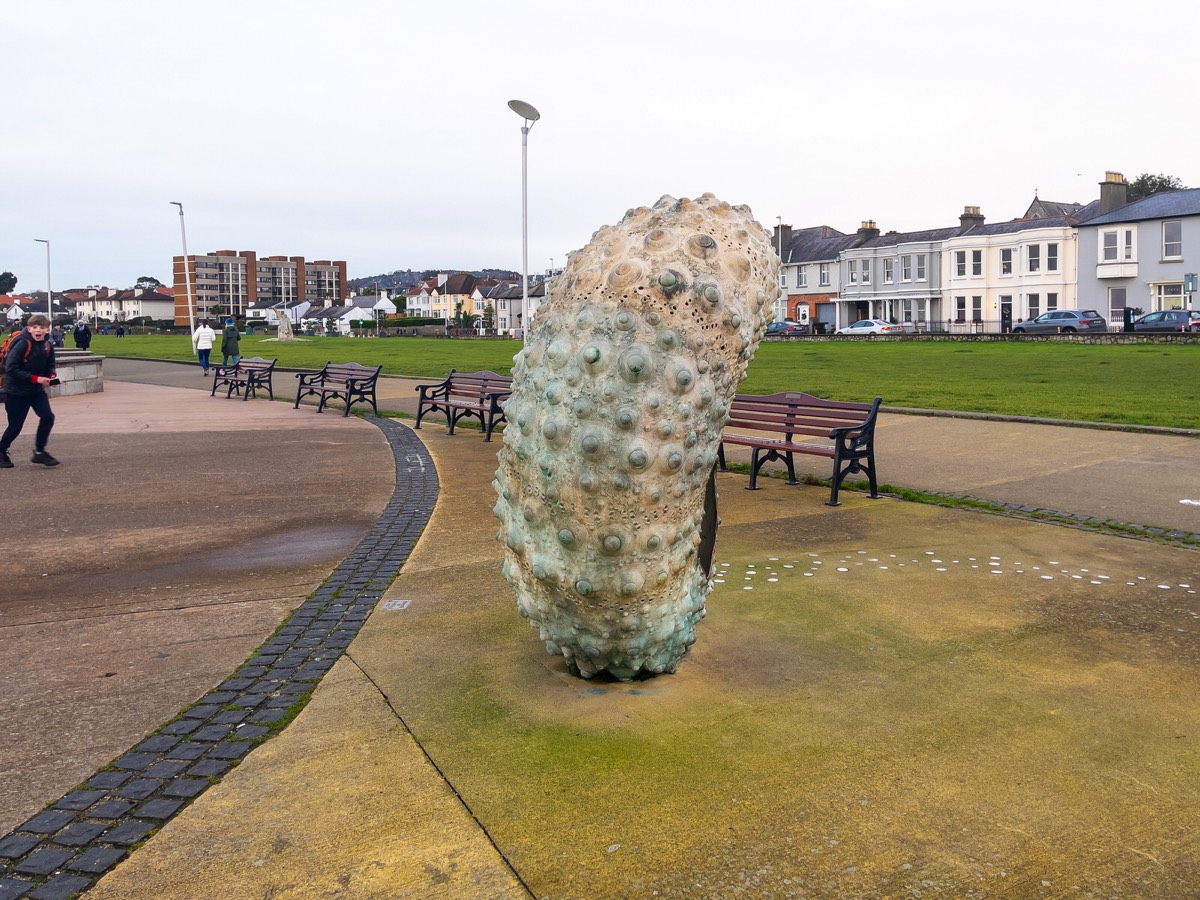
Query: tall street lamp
column 49, row 292
column 530, row 115
column 187, row 276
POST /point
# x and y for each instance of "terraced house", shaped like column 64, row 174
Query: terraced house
column 1141, row 254
column 1106, row 255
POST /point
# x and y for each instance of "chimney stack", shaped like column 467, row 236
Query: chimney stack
column 1114, row 192
column 971, row 218
column 867, row 230
column 783, row 237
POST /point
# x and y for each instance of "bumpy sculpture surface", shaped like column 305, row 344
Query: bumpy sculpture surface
column 618, row 402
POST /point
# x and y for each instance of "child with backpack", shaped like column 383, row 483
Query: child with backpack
column 28, row 370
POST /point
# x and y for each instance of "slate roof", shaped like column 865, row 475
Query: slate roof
column 1043, row 209
column 1017, row 225
column 1166, row 205
column 913, row 237
column 818, row 243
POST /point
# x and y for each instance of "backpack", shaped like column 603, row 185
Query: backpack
column 8, row 343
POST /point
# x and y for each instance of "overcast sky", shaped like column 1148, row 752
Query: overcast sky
column 378, row 131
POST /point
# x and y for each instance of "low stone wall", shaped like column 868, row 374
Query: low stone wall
column 80, row 371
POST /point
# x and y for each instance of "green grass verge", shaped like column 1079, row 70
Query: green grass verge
column 1128, row 384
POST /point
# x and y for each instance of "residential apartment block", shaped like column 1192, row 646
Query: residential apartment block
column 229, row 282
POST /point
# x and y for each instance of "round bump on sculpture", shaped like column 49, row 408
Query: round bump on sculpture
column 583, row 587
column 671, row 282
column 558, row 354
column 625, row 321
column 554, row 392
column 626, row 274
column 738, row 266
column 612, row 543
column 683, row 379
column 591, row 354
column 701, row 246
column 667, row 340
column 658, row 240
column 674, row 461
column 566, row 537
column 591, row 444
column 711, row 294
column 625, row 418
column 637, row 458
column 636, row 364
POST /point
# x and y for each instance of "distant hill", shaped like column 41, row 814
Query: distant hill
column 401, row 280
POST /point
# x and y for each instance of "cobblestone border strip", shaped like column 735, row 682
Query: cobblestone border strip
column 67, row 847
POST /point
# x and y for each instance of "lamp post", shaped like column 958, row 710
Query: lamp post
column 187, row 276
column 49, row 292
column 530, row 115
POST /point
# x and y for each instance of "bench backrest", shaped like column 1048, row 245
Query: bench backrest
column 257, row 363
column 794, row 412
column 345, row 371
column 478, row 384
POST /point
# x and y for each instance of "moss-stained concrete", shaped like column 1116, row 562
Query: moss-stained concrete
column 907, row 701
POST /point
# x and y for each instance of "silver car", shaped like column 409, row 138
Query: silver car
column 1063, row 321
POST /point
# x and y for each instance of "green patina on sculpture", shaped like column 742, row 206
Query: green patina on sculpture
column 619, row 398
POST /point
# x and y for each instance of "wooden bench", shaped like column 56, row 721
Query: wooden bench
column 348, row 382
column 467, row 394
column 786, row 416
column 244, row 378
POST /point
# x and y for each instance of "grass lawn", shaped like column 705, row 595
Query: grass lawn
column 1139, row 384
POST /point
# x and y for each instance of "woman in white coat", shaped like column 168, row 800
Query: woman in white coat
column 202, row 341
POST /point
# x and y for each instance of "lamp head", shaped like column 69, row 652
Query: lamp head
column 524, row 110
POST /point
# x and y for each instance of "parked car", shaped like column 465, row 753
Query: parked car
column 870, row 327
column 1176, row 320
column 783, row 329
column 1063, row 321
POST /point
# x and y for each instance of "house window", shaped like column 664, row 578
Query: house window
column 1051, row 302
column 1172, row 239
column 824, row 274
column 1035, row 257
column 920, row 267
column 1129, row 244
column 960, row 263
column 906, row 268
column 960, row 310
column 976, row 309
column 888, row 270
column 1035, row 305
column 1052, row 257
column 801, row 277
column 866, row 271
column 852, row 272
column 1006, row 261
column 1168, row 296
column 1108, row 246
column 976, row 262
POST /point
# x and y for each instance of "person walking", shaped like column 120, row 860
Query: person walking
column 229, row 344
column 202, row 341
column 57, row 337
column 82, row 335
column 28, row 371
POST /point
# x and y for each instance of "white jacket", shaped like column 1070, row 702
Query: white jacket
column 203, row 337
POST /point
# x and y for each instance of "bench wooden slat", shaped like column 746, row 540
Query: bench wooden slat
column 849, row 427
column 350, row 382
column 467, row 394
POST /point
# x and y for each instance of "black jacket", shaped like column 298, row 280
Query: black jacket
column 26, row 359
